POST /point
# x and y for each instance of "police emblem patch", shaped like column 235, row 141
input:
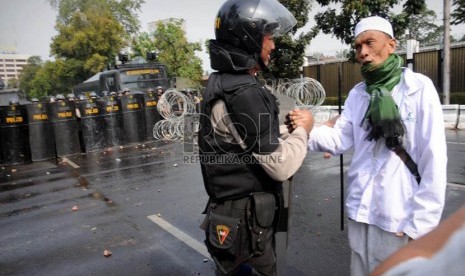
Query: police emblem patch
column 223, row 232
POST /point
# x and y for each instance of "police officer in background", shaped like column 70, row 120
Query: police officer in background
column 160, row 91
column 244, row 158
column 60, row 97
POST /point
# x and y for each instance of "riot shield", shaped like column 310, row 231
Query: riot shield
column 286, row 104
column 92, row 124
column 41, row 138
column 65, row 127
column 151, row 113
column 110, row 108
column 14, row 134
column 134, row 125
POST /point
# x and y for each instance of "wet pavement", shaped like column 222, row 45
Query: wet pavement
column 59, row 217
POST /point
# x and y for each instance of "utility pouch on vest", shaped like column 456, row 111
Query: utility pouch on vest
column 226, row 239
column 262, row 214
column 223, row 235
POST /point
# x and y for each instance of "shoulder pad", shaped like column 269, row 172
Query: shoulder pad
column 231, row 82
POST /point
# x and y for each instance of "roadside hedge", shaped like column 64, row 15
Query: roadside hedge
column 457, row 98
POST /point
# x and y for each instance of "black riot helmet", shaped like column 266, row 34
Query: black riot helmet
column 243, row 23
column 60, row 97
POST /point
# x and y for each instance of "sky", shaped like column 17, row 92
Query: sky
column 27, row 26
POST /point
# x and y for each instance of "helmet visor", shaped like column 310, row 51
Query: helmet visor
column 279, row 19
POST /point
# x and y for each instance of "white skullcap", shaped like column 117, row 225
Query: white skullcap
column 374, row 23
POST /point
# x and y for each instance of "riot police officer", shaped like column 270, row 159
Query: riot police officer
column 71, row 97
column 160, row 91
column 60, row 97
column 243, row 156
column 93, row 95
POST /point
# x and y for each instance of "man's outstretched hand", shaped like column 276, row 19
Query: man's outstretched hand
column 299, row 117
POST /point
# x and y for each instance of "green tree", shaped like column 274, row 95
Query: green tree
column 55, row 77
column 170, row 42
column 290, row 50
column 90, row 34
column 34, row 64
column 423, row 29
column 142, row 44
column 91, row 37
column 124, row 11
column 458, row 12
column 341, row 22
column 13, row 83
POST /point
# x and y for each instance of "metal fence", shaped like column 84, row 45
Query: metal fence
column 427, row 62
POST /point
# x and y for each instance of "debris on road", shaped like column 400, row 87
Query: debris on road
column 107, row 253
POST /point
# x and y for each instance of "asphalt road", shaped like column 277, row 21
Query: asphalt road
column 144, row 203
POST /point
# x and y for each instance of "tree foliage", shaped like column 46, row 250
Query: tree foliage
column 423, row 29
column 13, row 83
column 290, row 50
column 34, row 63
column 55, row 77
column 458, row 12
column 142, row 44
column 170, row 43
column 92, row 37
column 90, row 34
column 341, row 22
column 124, row 11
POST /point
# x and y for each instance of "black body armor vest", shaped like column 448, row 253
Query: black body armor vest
column 229, row 171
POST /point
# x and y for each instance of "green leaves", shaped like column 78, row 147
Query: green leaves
column 290, row 50
column 90, row 34
column 423, row 29
column 28, row 73
column 170, row 43
column 123, row 11
column 458, row 12
column 86, row 34
column 342, row 24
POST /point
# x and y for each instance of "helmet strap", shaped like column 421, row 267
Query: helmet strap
column 262, row 65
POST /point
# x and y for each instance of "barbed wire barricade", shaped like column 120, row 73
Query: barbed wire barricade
column 180, row 116
column 307, row 93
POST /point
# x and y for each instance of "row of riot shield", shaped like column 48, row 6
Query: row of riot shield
column 41, row 131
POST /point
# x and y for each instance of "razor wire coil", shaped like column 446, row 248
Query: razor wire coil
column 181, row 118
column 177, row 110
column 306, row 91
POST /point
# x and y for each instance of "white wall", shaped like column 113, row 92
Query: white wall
column 454, row 115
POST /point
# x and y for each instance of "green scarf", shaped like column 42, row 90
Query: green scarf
column 382, row 115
